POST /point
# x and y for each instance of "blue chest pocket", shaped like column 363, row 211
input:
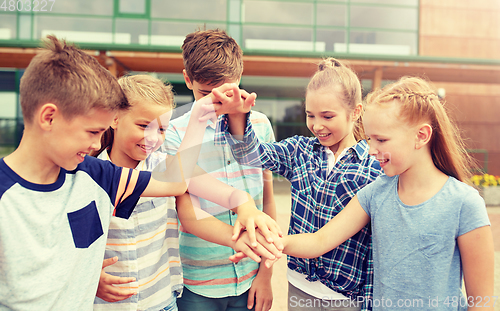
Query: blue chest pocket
column 85, row 225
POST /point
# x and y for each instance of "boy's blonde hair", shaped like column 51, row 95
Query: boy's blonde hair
column 212, row 57
column 420, row 103
column 333, row 73
column 69, row 78
column 140, row 88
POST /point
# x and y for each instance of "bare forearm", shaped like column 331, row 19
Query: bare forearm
column 189, row 149
column 478, row 260
column 268, row 196
column 341, row 227
column 305, row 245
column 202, row 224
column 237, row 124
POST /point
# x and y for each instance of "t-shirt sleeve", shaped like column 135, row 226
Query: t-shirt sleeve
column 130, row 187
column 172, row 140
column 365, row 195
column 473, row 213
column 123, row 185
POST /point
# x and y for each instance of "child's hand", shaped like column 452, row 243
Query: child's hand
column 263, row 249
column 229, row 99
column 268, row 262
column 207, row 109
column 106, row 289
column 250, row 218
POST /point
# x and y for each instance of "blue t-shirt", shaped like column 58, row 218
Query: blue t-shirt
column 53, row 236
column 415, row 251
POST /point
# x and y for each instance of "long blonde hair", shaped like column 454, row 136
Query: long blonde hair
column 420, row 103
column 139, row 87
column 332, row 73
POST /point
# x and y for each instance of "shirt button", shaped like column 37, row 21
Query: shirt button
column 228, row 162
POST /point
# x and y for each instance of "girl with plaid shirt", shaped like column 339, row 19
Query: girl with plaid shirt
column 325, row 172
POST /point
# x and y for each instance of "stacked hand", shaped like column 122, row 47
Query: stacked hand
column 229, row 99
column 256, row 234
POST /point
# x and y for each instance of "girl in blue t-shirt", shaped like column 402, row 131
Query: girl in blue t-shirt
column 429, row 227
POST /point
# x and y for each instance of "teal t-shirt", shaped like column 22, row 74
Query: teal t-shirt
column 415, row 251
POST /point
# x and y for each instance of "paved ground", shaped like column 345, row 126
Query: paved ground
column 279, row 281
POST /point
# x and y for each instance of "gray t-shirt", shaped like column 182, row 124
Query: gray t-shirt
column 53, row 236
column 415, row 251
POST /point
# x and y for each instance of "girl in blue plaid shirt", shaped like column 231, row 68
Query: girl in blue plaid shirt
column 325, row 172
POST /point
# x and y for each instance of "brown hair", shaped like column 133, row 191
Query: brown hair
column 140, row 87
column 211, row 57
column 69, row 78
column 419, row 103
column 333, row 73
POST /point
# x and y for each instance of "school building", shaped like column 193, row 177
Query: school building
column 455, row 43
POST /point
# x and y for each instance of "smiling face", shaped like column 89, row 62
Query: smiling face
column 392, row 142
column 329, row 120
column 72, row 139
column 138, row 132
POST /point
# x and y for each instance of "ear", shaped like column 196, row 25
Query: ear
column 356, row 113
column 46, row 115
column 189, row 84
column 114, row 124
column 424, row 135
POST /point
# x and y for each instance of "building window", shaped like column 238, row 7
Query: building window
column 133, row 7
column 386, row 27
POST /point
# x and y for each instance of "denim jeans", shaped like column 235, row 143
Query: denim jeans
column 301, row 301
column 172, row 306
column 194, row 302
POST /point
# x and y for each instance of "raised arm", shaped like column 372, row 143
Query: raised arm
column 478, row 259
column 174, row 179
column 236, row 111
column 178, row 169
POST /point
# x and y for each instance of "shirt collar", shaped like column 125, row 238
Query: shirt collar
column 360, row 149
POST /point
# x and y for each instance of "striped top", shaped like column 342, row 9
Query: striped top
column 147, row 246
column 206, row 267
column 318, row 194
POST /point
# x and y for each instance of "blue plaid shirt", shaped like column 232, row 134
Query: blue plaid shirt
column 317, row 196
